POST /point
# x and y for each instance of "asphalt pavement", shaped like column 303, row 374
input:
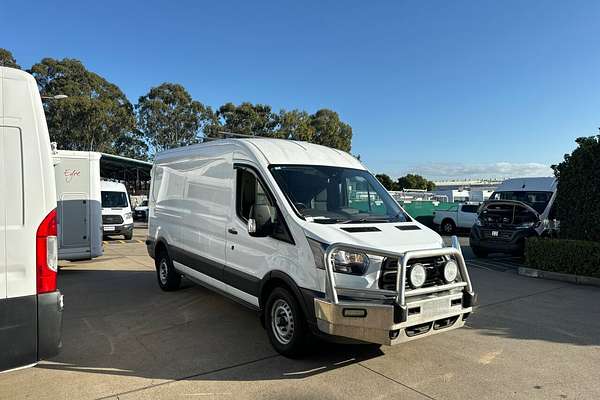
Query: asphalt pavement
column 125, row 338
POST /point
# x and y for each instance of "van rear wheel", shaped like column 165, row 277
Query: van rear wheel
column 168, row 278
column 286, row 324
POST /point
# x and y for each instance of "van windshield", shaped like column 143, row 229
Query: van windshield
column 537, row 200
column 114, row 200
column 326, row 194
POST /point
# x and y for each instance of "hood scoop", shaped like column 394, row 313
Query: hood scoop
column 358, row 229
column 408, row 227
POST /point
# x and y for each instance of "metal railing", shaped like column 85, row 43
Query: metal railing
column 400, row 294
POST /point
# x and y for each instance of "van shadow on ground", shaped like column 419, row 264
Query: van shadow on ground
column 121, row 323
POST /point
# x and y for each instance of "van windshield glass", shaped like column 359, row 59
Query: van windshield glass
column 336, row 195
column 537, row 200
column 114, row 200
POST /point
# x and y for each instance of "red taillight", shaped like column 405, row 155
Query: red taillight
column 46, row 254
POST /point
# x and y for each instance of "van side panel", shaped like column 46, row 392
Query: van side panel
column 207, row 201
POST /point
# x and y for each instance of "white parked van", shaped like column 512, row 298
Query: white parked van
column 30, row 304
column 79, row 210
column 307, row 236
column 116, row 210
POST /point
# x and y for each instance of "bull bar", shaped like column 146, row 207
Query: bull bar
column 394, row 316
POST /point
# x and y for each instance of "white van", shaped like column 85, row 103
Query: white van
column 30, row 304
column 116, row 210
column 519, row 208
column 307, row 236
column 79, row 210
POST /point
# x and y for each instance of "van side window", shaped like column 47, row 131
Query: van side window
column 250, row 192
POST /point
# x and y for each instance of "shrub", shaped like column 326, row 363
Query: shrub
column 577, row 257
column 578, row 191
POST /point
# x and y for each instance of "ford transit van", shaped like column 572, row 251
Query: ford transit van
column 117, row 218
column 30, row 304
column 308, row 237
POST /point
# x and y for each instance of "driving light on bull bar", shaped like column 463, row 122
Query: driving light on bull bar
column 417, row 276
column 349, row 262
column 450, row 271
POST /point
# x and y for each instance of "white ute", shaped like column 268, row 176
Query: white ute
column 308, row 237
column 458, row 216
column 31, row 306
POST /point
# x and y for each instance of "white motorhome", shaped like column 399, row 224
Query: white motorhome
column 519, row 208
column 30, row 304
column 308, row 237
column 79, row 204
column 117, row 218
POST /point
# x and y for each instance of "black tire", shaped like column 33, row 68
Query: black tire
column 168, row 278
column 479, row 252
column 289, row 335
column 128, row 236
column 448, row 227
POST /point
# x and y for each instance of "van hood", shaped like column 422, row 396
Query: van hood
column 396, row 237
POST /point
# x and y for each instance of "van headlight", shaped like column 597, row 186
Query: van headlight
column 417, row 276
column 344, row 261
column 450, row 271
column 127, row 215
column 349, row 262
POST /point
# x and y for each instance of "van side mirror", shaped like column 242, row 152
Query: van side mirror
column 260, row 221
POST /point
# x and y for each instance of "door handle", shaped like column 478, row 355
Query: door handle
column 232, row 231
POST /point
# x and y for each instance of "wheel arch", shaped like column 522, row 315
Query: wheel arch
column 275, row 279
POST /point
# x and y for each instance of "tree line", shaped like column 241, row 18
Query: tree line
column 409, row 181
column 97, row 116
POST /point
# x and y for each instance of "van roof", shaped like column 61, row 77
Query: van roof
column 278, row 151
column 114, row 186
column 541, row 184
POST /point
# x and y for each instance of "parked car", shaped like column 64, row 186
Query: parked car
column 141, row 212
column 31, row 306
column 459, row 216
column 306, row 236
column 117, row 218
column 518, row 209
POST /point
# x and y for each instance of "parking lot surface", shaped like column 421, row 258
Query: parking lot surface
column 125, row 338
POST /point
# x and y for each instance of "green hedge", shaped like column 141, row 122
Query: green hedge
column 577, row 257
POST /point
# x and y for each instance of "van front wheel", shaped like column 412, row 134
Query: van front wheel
column 168, row 278
column 285, row 323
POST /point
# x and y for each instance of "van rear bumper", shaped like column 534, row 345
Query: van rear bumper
column 50, row 320
column 386, row 324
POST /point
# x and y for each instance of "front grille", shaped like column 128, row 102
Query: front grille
column 112, row 219
column 433, row 266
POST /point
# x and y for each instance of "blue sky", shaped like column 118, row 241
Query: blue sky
column 444, row 88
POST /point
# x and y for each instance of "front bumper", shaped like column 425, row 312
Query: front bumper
column 393, row 317
column 381, row 323
column 507, row 241
column 117, row 229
